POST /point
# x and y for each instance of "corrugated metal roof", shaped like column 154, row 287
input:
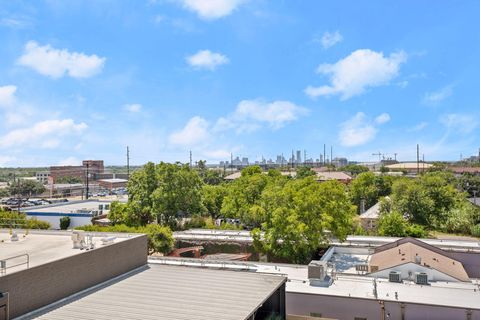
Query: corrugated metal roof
column 172, row 292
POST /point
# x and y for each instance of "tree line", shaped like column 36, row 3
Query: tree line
column 290, row 217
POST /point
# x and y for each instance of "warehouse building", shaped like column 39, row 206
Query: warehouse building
column 60, row 275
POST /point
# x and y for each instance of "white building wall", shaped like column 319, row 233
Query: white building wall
column 404, row 269
column 55, row 221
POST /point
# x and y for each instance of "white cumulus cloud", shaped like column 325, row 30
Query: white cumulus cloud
column 194, row 132
column 361, row 70
column 55, row 63
column 438, row 96
column 250, row 115
column 383, row 118
column 205, row 59
column 462, row 123
column 44, row 134
column 359, row 130
column 133, row 108
column 211, row 9
column 7, row 95
column 329, row 39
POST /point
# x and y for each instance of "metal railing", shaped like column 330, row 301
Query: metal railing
column 4, row 267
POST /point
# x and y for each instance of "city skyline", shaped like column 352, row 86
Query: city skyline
column 249, row 78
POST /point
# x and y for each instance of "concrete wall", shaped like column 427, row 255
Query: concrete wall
column 349, row 308
column 38, row 286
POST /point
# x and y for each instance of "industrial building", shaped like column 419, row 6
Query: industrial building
column 60, row 275
column 405, row 279
column 80, row 212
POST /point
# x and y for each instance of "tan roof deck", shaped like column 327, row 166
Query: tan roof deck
column 407, row 253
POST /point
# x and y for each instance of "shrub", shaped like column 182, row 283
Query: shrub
column 475, row 230
column 160, row 238
column 33, row 223
column 12, row 219
column 416, row 231
column 64, row 223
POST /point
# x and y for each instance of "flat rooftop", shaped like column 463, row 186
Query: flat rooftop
column 457, row 294
column 44, row 247
column 169, row 292
column 67, row 207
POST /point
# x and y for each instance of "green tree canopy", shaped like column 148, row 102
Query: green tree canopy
column 160, row 193
column 26, row 188
column 298, row 214
column 212, row 199
column 305, row 171
column 355, row 169
column 369, row 187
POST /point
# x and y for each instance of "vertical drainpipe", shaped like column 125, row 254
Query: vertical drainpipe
column 382, row 309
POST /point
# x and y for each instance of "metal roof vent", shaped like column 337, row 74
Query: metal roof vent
column 394, row 276
column 421, row 278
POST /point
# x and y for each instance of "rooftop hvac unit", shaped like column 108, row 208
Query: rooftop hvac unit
column 421, row 278
column 394, row 276
column 317, row 269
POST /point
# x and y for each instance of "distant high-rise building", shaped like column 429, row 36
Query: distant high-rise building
column 299, row 157
column 340, row 162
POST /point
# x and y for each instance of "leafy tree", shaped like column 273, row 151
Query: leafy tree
column 355, row 169
column 470, row 183
column 4, row 192
column 251, row 170
column 242, row 194
column 428, row 199
column 412, row 200
column 212, row 177
column 119, row 213
column 26, row 188
column 161, row 193
column 305, row 171
column 369, row 187
column 160, row 239
column 178, row 192
column 298, row 216
column 212, row 199
column 392, row 224
column 141, row 185
column 461, row 218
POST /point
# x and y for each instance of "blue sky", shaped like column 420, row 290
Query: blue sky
column 84, row 79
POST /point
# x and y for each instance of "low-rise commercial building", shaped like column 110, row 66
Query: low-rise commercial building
column 80, row 212
column 90, row 276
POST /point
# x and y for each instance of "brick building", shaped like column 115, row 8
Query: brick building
column 95, row 168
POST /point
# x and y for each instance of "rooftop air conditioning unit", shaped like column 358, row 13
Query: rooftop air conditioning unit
column 317, row 269
column 394, row 276
column 421, row 278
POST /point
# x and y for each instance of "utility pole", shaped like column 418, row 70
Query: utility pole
column 324, row 154
column 128, row 164
column 418, row 159
column 87, row 180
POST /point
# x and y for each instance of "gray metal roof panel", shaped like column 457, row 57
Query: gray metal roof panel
column 172, row 292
